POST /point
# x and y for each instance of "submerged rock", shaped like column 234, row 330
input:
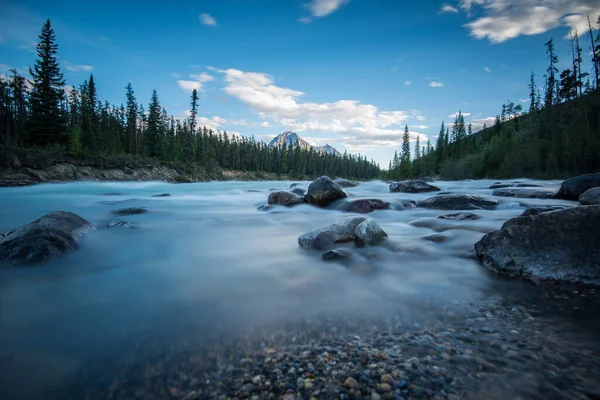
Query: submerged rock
column 540, row 210
column 572, row 188
column 365, row 206
column 590, row 197
column 559, row 246
column 130, row 211
column 464, row 216
column 298, row 191
column 501, row 185
column 120, row 223
column 412, row 186
column 323, row 191
column 368, row 233
column 54, row 233
column 331, row 255
column 345, row 182
column 457, row 202
column 323, row 238
column 287, row 199
column 436, row 238
column 525, row 193
column 162, row 195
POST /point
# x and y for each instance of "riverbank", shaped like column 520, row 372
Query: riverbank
column 19, row 167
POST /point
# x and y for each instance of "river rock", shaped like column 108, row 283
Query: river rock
column 130, row 211
column 368, row 233
column 293, row 185
column 331, row 255
column 345, row 183
column 298, row 191
column 590, row 197
column 540, row 210
column 559, row 246
column 572, row 188
column 436, row 238
column 457, row 202
column 323, row 191
column 54, row 233
column 323, row 238
column 162, row 195
column 464, row 216
column 365, row 206
column 120, row 223
column 501, row 185
column 412, row 186
column 525, row 193
column 284, row 198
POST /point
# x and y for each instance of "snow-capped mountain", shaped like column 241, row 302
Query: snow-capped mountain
column 292, row 138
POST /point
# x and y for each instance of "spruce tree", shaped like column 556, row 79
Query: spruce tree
column 154, row 147
column 131, row 128
column 551, row 82
column 405, row 154
column 532, row 91
column 46, row 123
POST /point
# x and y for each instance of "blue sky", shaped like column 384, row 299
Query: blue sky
column 350, row 73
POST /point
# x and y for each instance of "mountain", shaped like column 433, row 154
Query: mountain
column 292, row 138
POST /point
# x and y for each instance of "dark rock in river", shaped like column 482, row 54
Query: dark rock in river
column 590, row 197
column 111, row 194
column 409, row 204
column 364, row 206
column 525, row 193
column 331, row 255
column 369, row 233
column 130, row 211
column 287, row 199
column 436, row 238
column 501, row 185
column 298, row 191
column 464, row 216
column 559, row 246
column 120, row 223
column 345, row 183
column 323, row 191
column 264, row 207
column 293, row 185
column 522, row 185
column 162, row 195
column 412, row 186
column 54, row 233
column 572, row 188
column 457, row 202
column 539, row 210
column 323, row 238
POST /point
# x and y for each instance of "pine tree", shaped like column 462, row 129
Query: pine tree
column 595, row 52
column 132, row 116
column 46, row 123
column 532, row 92
column 194, row 112
column 154, row 132
column 551, row 82
column 405, row 154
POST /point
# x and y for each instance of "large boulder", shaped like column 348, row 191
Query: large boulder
column 284, row 198
column 323, row 238
column 590, row 197
column 457, row 202
column 323, row 191
column 368, row 233
column 345, row 183
column 365, row 206
column 525, row 193
column 559, row 246
column 413, row 186
column 572, row 188
column 54, row 233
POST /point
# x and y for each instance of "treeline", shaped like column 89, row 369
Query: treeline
column 37, row 113
column 558, row 135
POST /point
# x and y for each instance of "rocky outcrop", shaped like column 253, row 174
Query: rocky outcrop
column 539, row 210
column 283, row 198
column 322, row 191
column 323, row 238
column 590, row 197
column 525, row 193
column 572, row 188
column 457, row 202
column 553, row 247
column 412, row 186
column 368, row 233
column 345, row 183
column 54, row 233
column 364, row 206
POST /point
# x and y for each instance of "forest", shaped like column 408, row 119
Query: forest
column 557, row 136
column 42, row 114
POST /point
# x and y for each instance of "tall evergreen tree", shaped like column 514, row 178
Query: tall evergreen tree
column 154, row 132
column 46, row 124
column 551, row 82
column 405, row 154
column 532, row 92
column 132, row 116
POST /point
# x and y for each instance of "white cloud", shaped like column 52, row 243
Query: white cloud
column 77, row 68
column 207, row 19
column 436, row 84
column 408, row 83
column 466, row 114
column 197, row 83
column 447, row 8
column 305, row 20
column 321, row 8
column 420, row 127
column 507, row 19
column 420, row 118
column 524, row 100
column 478, row 123
column 265, row 124
column 359, row 123
column 487, row 69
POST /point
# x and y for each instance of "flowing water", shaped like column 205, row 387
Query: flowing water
column 205, row 257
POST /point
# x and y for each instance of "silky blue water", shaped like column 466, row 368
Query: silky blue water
column 205, row 256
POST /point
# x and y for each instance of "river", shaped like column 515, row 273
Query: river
column 204, row 262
